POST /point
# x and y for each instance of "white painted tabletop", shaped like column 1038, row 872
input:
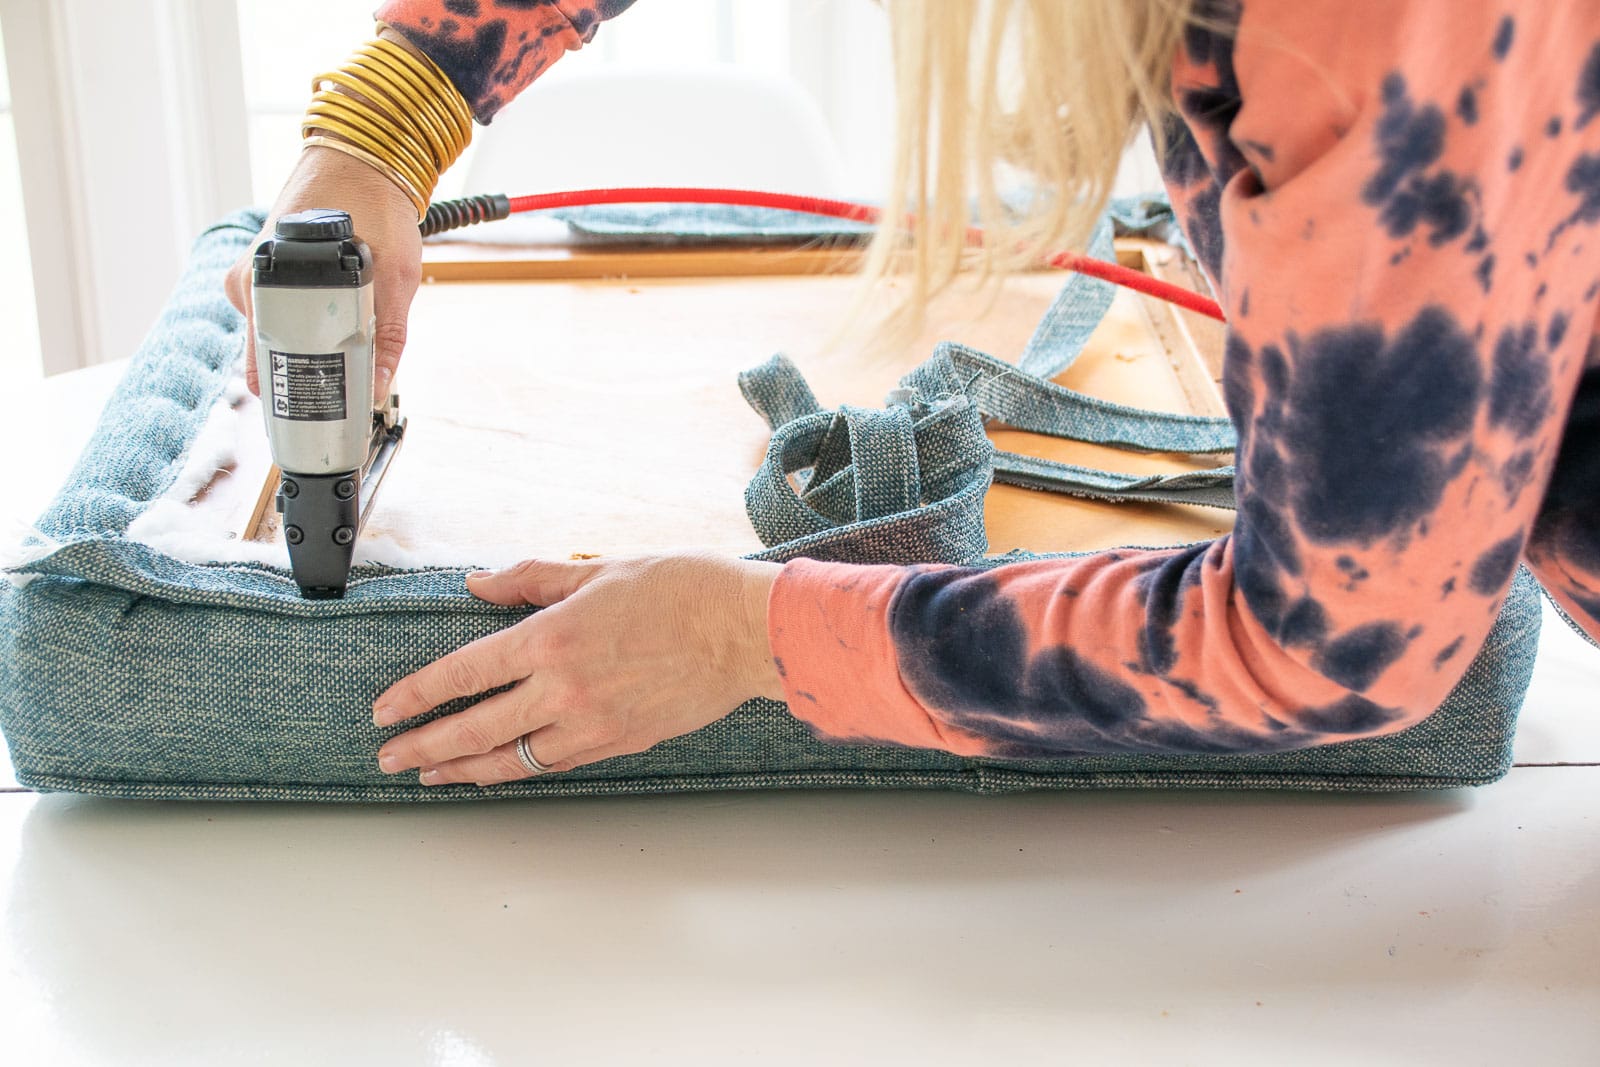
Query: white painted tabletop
column 1443, row 928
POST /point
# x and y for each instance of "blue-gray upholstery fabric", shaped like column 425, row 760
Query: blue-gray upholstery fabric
column 700, row 224
column 127, row 673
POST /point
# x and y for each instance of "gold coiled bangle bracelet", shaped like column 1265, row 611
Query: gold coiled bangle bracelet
column 450, row 108
column 394, row 110
column 402, row 99
column 345, row 116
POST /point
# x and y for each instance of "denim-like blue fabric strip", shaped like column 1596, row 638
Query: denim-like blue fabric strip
column 887, row 480
column 679, row 224
column 857, row 467
column 777, row 512
column 1075, row 314
column 926, row 477
column 1026, row 402
column 778, row 391
column 1149, row 215
column 1212, row 488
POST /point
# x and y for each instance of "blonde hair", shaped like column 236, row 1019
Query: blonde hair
column 1047, row 93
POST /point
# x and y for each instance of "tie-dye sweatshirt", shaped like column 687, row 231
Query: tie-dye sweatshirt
column 1398, row 202
column 493, row 49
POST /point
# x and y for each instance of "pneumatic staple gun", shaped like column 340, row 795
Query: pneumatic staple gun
column 312, row 293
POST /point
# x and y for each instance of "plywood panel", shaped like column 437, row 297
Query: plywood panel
column 603, row 415
column 463, row 262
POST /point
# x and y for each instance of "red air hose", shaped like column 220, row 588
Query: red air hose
column 450, row 214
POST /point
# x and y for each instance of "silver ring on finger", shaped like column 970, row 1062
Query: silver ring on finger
column 532, row 765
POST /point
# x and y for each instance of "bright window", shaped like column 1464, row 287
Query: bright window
column 19, row 343
column 798, row 39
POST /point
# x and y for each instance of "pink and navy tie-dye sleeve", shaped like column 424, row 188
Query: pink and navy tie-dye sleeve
column 493, row 49
column 1399, row 203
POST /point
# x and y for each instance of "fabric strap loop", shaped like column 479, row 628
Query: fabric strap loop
column 1024, row 401
column 883, row 455
column 925, row 466
column 831, row 479
column 778, row 391
column 1075, row 313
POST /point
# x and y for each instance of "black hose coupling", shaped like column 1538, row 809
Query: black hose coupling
column 453, row 214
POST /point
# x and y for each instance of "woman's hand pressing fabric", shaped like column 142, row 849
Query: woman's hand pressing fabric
column 625, row 654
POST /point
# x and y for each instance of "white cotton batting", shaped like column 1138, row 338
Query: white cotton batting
column 170, row 526
column 174, row 529
column 214, row 449
column 20, row 545
column 173, row 526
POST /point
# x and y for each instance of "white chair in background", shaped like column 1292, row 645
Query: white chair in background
column 722, row 127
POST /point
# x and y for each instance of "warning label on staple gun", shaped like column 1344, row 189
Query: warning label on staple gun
column 308, row 387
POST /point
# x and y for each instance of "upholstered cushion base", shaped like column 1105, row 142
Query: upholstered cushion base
column 127, row 672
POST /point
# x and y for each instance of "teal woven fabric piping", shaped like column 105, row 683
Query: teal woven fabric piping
column 697, row 224
column 124, row 672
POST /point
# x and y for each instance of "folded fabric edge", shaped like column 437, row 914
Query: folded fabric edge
column 985, row 780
